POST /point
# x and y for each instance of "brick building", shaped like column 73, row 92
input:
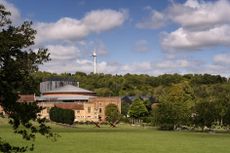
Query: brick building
column 86, row 105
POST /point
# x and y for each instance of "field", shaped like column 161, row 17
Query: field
column 124, row 139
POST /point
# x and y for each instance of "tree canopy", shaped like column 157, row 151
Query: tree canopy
column 112, row 113
column 137, row 109
column 18, row 62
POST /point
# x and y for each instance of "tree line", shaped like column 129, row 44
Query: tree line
column 128, row 84
column 194, row 100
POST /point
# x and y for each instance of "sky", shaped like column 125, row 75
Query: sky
column 130, row 36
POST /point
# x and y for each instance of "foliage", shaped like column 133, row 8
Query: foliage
column 17, row 64
column 124, row 108
column 62, row 115
column 112, row 113
column 204, row 114
column 137, row 109
column 103, row 91
column 195, row 89
column 175, row 106
column 213, row 105
column 131, row 84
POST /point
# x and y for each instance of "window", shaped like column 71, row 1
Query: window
column 100, row 110
column 78, row 111
column 89, row 109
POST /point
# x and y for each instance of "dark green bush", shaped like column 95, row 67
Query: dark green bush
column 62, row 115
column 166, row 126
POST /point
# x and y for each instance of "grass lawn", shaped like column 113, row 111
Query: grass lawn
column 124, row 139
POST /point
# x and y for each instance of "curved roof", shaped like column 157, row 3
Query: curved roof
column 60, row 98
column 69, row 89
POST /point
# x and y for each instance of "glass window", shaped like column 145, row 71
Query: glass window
column 89, row 109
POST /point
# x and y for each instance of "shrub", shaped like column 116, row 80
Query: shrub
column 62, row 115
column 166, row 126
column 112, row 113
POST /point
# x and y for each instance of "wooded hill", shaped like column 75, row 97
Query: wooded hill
column 182, row 100
column 127, row 85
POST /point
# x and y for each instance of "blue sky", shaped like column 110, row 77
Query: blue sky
column 130, row 36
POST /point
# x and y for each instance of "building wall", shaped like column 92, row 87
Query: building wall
column 1, row 110
column 47, row 106
column 89, row 113
column 102, row 102
column 93, row 110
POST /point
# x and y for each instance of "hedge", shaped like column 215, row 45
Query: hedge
column 60, row 115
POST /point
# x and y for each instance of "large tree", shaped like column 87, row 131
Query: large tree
column 213, row 105
column 138, row 109
column 112, row 113
column 17, row 64
column 175, row 106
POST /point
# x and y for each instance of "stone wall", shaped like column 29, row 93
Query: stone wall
column 93, row 110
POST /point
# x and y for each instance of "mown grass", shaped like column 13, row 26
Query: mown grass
column 124, row 139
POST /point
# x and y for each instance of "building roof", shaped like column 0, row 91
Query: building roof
column 69, row 89
column 72, row 106
column 61, row 97
column 59, row 79
column 26, row 98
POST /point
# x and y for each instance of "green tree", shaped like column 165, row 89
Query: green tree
column 103, row 92
column 17, row 64
column 112, row 113
column 175, row 106
column 125, row 108
column 137, row 109
column 204, row 114
column 213, row 105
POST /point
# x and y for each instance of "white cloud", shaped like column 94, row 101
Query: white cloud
column 15, row 13
column 102, row 20
column 203, row 24
column 86, row 65
column 222, row 59
column 70, row 29
column 99, row 47
column 63, row 58
column 137, row 68
column 165, row 65
column 154, row 21
column 171, row 64
column 62, row 52
column 194, row 13
column 142, row 46
column 215, row 69
column 168, row 65
column 184, row 39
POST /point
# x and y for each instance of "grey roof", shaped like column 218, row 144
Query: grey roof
column 69, row 88
column 59, row 79
column 58, row 98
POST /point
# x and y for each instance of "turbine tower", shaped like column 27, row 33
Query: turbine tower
column 94, row 62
